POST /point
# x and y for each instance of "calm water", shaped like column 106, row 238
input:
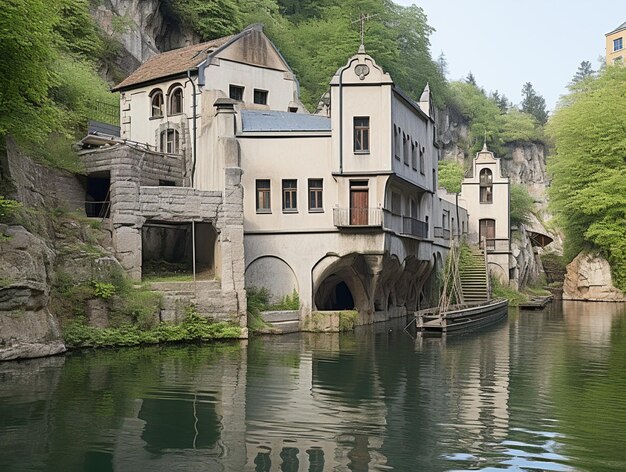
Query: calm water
column 542, row 391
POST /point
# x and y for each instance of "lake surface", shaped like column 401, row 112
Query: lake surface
column 541, row 391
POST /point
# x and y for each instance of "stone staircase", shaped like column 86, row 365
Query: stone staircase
column 205, row 295
column 282, row 322
column 473, row 275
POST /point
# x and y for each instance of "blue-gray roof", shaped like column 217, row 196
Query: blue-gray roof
column 281, row 121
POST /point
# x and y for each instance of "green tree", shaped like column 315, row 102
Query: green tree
column 450, row 176
column 27, row 56
column 588, row 191
column 210, row 19
column 522, row 205
column 442, row 64
column 470, row 79
column 501, row 101
column 534, row 104
column 517, row 127
column 584, row 71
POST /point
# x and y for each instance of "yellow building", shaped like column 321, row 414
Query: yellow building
column 615, row 41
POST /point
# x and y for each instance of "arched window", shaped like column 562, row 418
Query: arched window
column 486, row 186
column 156, row 99
column 170, row 141
column 175, row 101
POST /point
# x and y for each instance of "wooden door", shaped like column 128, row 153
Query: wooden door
column 487, row 229
column 359, row 199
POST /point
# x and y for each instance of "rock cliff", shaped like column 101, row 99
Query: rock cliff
column 142, row 28
column 44, row 239
column 589, row 278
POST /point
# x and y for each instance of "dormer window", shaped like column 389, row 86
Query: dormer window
column 235, row 92
column 176, row 101
column 486, row 186
column 260, row 97
column 156, row 99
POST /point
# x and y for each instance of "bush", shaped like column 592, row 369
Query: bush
column 8, row 208
column 193, row 328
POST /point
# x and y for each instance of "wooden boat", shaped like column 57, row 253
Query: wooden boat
column 462, row 317
column 456, row 312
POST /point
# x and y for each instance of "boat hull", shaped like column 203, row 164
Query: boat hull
column 462, row 319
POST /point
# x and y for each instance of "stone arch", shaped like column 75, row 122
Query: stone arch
column 339, row 282
column 496, row 270
column 273, row 273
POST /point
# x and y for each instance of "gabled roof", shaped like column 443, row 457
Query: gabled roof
column 250, row 46
column 619, row 28
column 282, row 121
column 177, row 61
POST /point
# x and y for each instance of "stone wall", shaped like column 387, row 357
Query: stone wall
column 135, row 200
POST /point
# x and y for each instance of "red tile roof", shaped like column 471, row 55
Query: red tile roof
column 173, row 62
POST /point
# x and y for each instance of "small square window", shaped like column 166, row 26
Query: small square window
column 617, row 44
column 260, row 97
column 316, row 189
column 236, row 92
column 290, row 196
column 263, row 196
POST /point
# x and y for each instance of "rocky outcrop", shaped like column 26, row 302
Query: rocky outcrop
column 527, row 263
column 525, row 163
column 588, row 278
column 453, row 135
column 27, row 328
column 142, row 27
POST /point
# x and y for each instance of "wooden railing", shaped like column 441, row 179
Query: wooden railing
column 379, row 217
column 357, row 217
column 494, row 244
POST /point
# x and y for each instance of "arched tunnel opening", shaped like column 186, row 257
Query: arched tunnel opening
column 334, row 294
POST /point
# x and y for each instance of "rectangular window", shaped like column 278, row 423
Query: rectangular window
column 315, row 195
column 406, row 140
column 617, row 44
column 236, row 92
column 414, row 151
column 422, row 165
column 263, row 196
column 396, row 142
column 362, row 134
column 260, row 97
column 290, row 195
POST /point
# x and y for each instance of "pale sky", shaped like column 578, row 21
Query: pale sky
column 506, row 43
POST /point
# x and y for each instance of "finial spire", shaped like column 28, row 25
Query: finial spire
column 362, row 19
column 485, row 141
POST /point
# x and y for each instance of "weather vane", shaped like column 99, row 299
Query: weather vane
column 362, row 19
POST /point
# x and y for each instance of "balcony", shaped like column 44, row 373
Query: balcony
column 358, row 217
column 439, row 232
column 495, row 244
column 380, row 218
column 414, row 227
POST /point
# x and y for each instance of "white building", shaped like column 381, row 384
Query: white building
column 485, row 193
column 341, row 208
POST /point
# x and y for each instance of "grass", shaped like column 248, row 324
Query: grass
column 168, row 278
column 513, row 296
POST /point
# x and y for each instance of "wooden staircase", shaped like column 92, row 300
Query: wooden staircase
column 473, row 277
